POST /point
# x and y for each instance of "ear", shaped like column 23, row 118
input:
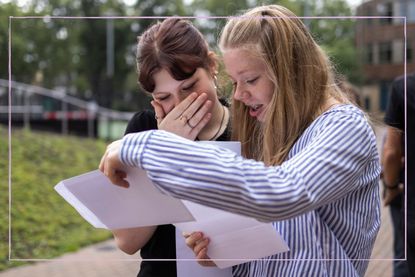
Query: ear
column 213, row 63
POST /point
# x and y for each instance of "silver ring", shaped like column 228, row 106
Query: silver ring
column 190, row 125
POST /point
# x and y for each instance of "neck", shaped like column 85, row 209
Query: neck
column 217, row 124
column 329, row 103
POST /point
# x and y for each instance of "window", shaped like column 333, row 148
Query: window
column 411, row 11
column 369, row 53
column 385, row 52
column 385, row 9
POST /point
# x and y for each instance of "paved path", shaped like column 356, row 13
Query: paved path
column 383, row 245
column 105, row 260
column 99, row 260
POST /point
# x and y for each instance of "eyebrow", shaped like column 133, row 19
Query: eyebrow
column 242, row 71
column 237, row 73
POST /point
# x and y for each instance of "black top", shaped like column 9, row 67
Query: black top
column 395, row 117
column 162, row 245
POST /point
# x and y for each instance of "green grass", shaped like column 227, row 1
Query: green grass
column 43, row 225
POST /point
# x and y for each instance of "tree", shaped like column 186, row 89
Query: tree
column 336, row 35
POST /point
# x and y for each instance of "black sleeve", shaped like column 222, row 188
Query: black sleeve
column 395, row 113
column 141, row 121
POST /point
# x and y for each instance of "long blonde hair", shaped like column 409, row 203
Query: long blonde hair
column 301, row 74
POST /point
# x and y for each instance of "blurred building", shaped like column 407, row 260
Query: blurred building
column 381, row 42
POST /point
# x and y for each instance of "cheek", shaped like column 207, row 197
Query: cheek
column 167, row 106
column 210, row 89
column 268, row 92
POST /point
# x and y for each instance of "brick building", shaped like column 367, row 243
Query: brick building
column 381, row 42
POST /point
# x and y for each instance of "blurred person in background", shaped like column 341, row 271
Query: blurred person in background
column 393, row 161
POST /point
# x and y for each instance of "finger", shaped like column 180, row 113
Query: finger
column 200, row 113
column 122, row 174
column 158, row 110
column 193, row 238
column 203, row 259
column 196, row 130
column 203, row 255
column 196, row 105
column 179, row 109
column 117, row 179
column 113, row 172
column 102, row 162
column 186, row 234
column 201, row 244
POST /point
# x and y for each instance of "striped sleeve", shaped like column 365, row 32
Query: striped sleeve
column 325, row 169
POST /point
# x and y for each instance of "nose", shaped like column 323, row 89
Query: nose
column 240, row 93
column 177, row 99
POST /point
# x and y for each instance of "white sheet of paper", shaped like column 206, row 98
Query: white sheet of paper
column 234, row 239
column 226, row 232
column 108, row 206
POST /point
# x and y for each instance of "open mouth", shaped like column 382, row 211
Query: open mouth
column 255, row 107
column 254, row 110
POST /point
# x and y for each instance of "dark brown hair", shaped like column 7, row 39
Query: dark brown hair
column 175, row 45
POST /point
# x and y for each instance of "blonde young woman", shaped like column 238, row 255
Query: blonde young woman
column 310, row 163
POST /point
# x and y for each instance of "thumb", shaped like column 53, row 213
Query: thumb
column 158, row 110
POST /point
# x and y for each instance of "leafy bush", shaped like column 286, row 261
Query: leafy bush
column 43, row 225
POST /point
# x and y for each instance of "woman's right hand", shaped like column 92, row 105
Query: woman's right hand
column 198, row 243
column 188, row 118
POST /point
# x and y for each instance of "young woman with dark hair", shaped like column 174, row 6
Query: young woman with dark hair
column 174, row 66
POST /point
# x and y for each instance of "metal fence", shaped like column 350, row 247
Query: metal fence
column 31, row 103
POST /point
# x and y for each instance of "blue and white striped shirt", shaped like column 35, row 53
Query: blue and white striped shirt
column 323, row 200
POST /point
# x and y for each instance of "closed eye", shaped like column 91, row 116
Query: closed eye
column 162, row 98
column 252, row 81
column 189, row 87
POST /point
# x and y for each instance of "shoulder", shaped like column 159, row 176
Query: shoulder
column 342, row 114
column 343, row 130
column 398, row 87
column 344, row 120
column 142, row 121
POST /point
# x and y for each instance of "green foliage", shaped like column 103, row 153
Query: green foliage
column 71, row 53
column 335, row 35
column 43, row 225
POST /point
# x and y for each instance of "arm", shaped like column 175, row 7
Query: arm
column 133, row 239
column 324, row 171
column 392, row 153
column 392, row 156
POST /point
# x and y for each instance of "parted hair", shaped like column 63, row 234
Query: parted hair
column 299, row 69
column 175, row 45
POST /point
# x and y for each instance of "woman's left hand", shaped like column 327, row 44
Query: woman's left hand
column 111, row 165
column 198, row 243
column 188, row 118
